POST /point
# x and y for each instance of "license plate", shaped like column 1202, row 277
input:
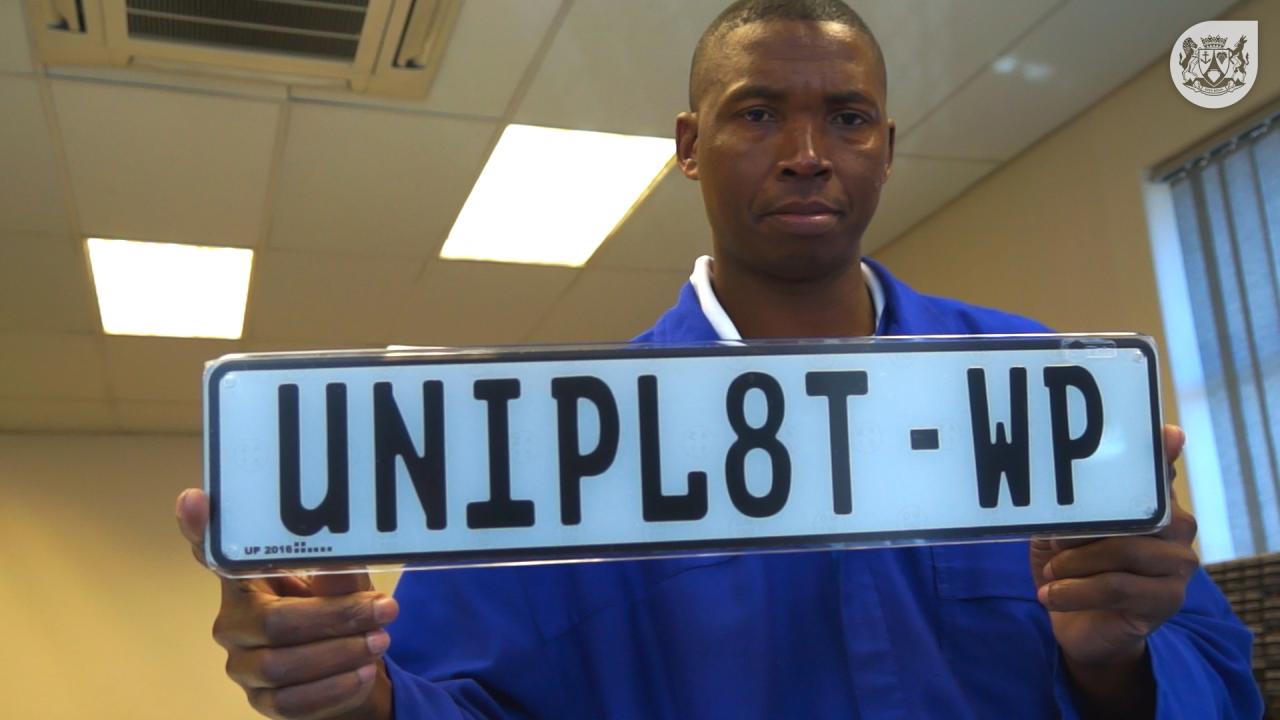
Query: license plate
column 462, row 457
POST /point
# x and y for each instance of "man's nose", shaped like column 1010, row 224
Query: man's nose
column 804, row 155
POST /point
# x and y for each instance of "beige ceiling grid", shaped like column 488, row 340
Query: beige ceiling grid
column 347, row 198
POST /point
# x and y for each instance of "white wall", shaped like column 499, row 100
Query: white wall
column 106, row 615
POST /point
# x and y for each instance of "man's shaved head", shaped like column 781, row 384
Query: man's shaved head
column 746, row 12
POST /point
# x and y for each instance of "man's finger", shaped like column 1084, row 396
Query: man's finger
column 290, row 586
column 1061, row 544
column 298, row 664
column 1145, row 597
column 1139, row 555
column 285, row 621
column 1182, row 527
column 329, row 696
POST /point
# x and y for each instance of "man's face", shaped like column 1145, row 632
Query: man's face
column 791, row 143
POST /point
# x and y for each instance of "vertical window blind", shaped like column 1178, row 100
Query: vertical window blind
column 1227, row 206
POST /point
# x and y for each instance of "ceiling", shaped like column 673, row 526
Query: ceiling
column 347, row 199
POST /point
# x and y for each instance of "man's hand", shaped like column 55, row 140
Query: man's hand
column 1106, row 596
column 302, row 648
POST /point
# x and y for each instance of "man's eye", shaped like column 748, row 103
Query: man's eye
column 757, row 115
column 849, row 119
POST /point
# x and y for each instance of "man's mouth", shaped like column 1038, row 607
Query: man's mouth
column 804, row 217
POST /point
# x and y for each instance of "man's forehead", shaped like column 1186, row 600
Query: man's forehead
column 795, row 39
column 835, row 56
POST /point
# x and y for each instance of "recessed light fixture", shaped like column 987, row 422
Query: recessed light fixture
column 148, row 288
column 550, row 196
column 1037, row 71
column 1005, row 64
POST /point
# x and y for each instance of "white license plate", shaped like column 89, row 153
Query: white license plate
column 494, row 456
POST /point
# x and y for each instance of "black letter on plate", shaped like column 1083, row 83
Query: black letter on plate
column 750, row 438
column 1010, row 457
column 573, row 464
column 1066, row 449
column 333, row 512
column 656, row 506
column 391, row 440
column 836, row 387
column 499, row 510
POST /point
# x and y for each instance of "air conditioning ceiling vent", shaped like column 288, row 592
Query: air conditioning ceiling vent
column 311, row 29
column 388, row 47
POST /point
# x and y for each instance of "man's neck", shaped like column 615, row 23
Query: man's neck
column 764, row 307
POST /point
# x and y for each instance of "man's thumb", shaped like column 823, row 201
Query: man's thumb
column 1042, row 551
column 192, row 512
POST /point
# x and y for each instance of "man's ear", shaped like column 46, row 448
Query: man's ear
column 888, row 163
column 687, row 144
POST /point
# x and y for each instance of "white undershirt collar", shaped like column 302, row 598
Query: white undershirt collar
column 719, row 319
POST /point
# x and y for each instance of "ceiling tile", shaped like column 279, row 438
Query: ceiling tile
column 31, row 197
column 492, row 45
column 374, row 182
column 491, row 48
column 162, row 165
column 56, row 416
column 480, row 303
column 159, row 417
column 1055, row 77
column 667, row 231
column 15, row 53
column 210, row 83
column 166, row 369
column 932, row 46
column 609, row 306
column 44, row 285
column 342, row 300
column 917, row 187
column 39, row 366
column 619, row 66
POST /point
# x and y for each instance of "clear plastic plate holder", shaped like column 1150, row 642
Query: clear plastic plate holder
column 417, row 458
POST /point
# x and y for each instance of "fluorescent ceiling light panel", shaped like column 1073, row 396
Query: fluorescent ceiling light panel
column 550, row 196
column 147, row 288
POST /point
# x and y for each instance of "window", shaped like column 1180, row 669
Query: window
column 1215, row 223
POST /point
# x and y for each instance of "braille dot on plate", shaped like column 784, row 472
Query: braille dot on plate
column 924, row 439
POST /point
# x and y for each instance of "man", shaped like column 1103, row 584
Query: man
column 790, row 140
